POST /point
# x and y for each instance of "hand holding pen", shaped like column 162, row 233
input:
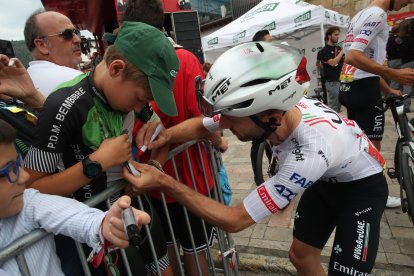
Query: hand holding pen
column 153, row 137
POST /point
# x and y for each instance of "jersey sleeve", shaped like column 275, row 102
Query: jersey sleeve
column 370, row 27
column 302, row 167
column 212, row 124
column 58, row 121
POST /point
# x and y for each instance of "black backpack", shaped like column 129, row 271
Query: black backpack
column 23, row 119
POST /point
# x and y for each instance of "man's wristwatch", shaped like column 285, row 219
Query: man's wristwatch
column 91, row 169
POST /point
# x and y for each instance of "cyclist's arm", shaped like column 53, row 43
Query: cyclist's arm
column 185, row 131
column 359, row 60
column 231, row 219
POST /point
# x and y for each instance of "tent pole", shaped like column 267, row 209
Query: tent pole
column 322, row 34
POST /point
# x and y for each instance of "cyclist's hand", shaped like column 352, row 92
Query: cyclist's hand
column 393, row 91
column 223, row 146
column 403, row 76
column 150, row 179
column 113, row 152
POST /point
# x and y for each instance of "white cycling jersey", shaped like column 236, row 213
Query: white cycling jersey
column 368, row 33
column 325, row 145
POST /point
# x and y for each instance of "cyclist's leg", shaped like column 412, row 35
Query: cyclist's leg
column 314, row 223
column 363, row 99
column 358, row 226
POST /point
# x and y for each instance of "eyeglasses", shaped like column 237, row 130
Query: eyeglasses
column 66, row 34
column 205, row 105
column 11, row 170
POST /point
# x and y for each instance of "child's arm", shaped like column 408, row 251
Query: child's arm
column 71, row 218
column 112, row 152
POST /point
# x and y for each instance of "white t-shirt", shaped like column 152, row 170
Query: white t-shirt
column 46, row 75
column 368, row 33
column 325, row 145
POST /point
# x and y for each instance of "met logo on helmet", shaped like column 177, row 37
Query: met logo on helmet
column 223, row 88
column 281, row 86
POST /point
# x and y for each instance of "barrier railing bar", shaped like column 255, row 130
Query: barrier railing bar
column 200, row 154
column 170, row 228
column 82, row 258
column 154, row 254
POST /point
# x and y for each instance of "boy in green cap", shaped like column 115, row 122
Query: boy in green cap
column 83, row 122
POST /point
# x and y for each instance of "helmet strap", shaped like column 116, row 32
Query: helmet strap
column 391, row 7
column 269, row 127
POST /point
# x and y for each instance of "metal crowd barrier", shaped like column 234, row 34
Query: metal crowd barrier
column 227, row 257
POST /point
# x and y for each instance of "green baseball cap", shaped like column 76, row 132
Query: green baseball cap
column 150, row 51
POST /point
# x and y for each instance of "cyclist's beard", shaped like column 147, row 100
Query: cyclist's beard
column 248, row 136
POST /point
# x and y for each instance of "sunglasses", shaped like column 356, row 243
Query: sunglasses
column 205, row 105
column 66, row 34
column 11, row 170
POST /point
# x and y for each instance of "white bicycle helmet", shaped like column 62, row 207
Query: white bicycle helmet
column 254, row 77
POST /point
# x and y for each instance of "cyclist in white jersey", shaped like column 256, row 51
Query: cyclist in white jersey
column 363, row 71
column 258, row 88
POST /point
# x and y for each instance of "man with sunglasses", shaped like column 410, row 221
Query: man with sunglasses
column 256, row 90
column 55, row 46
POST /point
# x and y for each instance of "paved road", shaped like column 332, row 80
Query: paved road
column 273, row 235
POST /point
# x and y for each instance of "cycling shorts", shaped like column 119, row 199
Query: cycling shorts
column 179, row 224
column 355, row 209
column 360, row 98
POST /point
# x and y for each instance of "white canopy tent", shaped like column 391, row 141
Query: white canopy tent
column 298, row 23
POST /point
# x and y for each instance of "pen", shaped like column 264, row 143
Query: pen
column 154, row 135
column 131, row 228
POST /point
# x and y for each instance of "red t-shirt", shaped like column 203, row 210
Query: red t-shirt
column 187, row 107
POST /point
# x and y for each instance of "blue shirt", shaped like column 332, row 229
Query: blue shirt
column 54, row 214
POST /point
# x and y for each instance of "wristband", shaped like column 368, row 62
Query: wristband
column 155, row 164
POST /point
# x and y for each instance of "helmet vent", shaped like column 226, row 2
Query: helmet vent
column 260, row 47
column 255, row 82
column 245, row 104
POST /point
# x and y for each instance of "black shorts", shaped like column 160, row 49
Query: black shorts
column 179, row 224
column 355, row 209
column 360, row 98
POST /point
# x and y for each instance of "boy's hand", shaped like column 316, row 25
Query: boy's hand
column 113, row 226
column 144, row 136
column 113, row 152
column 150, row 178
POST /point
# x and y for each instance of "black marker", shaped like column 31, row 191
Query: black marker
column 130, row 226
